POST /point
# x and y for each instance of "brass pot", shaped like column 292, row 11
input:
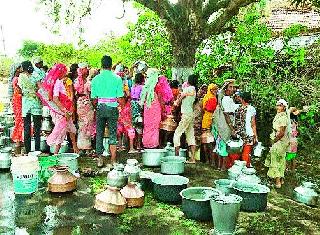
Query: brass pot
column 62, row 180
column 110, row 201
column 207, row 137
column 168, row 124
column 133, row 195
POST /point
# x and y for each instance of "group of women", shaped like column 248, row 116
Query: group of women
column 207, row 118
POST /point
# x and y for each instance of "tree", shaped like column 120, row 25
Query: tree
column 188, row 22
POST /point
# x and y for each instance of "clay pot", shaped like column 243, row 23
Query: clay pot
column 110, row 201
column 169, row 124
column 62, row 180
column 133, row 195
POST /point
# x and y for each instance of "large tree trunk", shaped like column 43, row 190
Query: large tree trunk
column 184, row 45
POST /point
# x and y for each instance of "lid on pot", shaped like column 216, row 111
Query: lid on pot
column 225, row 182
column 173, row 159
column 155, row 150
column 199, row 193
column 132, row 162
column 119, row 167
column 251, row 187
column 170, row 180
column 249, row 171
column 309, row 192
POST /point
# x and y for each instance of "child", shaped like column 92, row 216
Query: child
column 136, row 108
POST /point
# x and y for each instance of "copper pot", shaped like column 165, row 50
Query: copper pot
column 110, row 201
column 207, row 137
column 169, row 124
column 62, row 180
column 133, row 195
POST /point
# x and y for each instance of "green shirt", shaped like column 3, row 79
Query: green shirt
column 107, row 85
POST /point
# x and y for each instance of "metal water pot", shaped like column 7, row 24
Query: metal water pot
column 248, row 175
column 306, row 194
column 132, row 170
column 5, row 158
column 117, row 177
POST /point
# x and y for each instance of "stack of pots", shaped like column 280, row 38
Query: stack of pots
column 236, row 169
column 132, row 170
column 24, row 170
column 111, row 200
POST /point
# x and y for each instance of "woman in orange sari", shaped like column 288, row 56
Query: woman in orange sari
column 17, row 134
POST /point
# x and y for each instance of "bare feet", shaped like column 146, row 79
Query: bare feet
column 100, row 161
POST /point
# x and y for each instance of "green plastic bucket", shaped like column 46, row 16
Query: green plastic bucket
column 45, row 162
column 25, row 183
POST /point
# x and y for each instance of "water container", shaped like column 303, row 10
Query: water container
column 225, row 212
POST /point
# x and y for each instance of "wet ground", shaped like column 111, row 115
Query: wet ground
column 73, row 213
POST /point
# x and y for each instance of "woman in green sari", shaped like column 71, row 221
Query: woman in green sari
column 276, row 161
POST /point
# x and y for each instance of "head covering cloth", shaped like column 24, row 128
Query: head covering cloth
column 147, row 94
column 209, row 94
column 286, row 105
column 58, row 71
column 13, row 70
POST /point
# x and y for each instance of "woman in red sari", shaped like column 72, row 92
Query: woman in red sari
column 17, row 134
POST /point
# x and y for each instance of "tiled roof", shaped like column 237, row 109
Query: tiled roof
column 283, row 17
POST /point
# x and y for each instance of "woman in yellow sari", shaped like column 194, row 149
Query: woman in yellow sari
column 209, row 105
column 276, row 161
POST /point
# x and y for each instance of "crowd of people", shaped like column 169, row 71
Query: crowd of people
column 129, row 105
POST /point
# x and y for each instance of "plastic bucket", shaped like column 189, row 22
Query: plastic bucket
column 25, row 182
column 45, row 163
column 68, row 159
column 225, row 212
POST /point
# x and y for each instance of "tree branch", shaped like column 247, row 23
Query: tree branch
column 163, row 8
column 231, row 10
column 214, row 6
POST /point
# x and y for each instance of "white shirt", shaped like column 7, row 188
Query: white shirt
column 229, row 106
column 251, row 112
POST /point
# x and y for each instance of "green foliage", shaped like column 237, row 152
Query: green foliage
column 31, row 49
column 269, row 75
column 146, row 40
column 5, row 64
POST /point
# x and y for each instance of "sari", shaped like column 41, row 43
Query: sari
column 85, row 112
column 17, row 134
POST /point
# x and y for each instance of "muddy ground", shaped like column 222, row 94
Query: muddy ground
column 73, row 213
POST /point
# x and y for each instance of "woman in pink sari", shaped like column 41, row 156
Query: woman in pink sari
column 85, row 110
column 152, row 110
column 53, row 94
